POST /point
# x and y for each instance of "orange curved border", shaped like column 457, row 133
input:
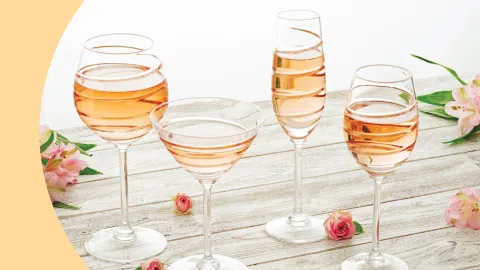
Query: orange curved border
column 32, row 236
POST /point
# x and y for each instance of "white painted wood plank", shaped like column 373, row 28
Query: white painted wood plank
column 252, row 246
column 446, row 249
column 257, row 205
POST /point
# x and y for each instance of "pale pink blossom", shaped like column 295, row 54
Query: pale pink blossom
column 339, row 225
column 463, row 210
column 474, row 216
column 50, row 152
column 43, row 129
column 62, row 169
column 56, row 193
column 476, row 85
column 466, row 107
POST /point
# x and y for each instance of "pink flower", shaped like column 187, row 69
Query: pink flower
column 466, row 106
column 62, row 168
column 50, row 152
column 183, row 204
column 339, row 225
column 476, row 85
column 43, row 129
column 56, row 193
column 464, row 209
column 156, row 264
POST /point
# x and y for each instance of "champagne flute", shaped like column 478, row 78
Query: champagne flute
column 380, row 130
column 117, row 84
column 207, row 136
column 298, row 97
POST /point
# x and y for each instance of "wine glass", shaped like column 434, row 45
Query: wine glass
column 298, row 97
column 381, row 128
column 117, row 84
column 207, row 136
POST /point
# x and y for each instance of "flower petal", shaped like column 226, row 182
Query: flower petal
column 460, row 94
column 474, row 220
column 465, row 126
column 458, row 109
column 457, row 210
column 56, row 193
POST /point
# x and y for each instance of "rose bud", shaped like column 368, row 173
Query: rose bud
column 183, row 204
column 156, row 264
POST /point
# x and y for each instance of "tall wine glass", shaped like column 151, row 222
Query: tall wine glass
column 298, row 97
column 117, row 84
column 207, row 136
column 380, row 130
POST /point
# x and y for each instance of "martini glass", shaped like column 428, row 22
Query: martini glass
column 207, row 136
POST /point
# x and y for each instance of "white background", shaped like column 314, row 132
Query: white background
column 224, row 48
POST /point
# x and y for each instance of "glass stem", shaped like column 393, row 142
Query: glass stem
column 375, row 258
column 207, row 262
column 298, row 218
column 124, row 232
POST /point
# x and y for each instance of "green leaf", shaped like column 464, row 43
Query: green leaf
column 44, row 161
column 138, row 268
column 82, row 147
column 65, row 206
column 440, row 98
column 453, row 72
column 358, row 228
column 46, row 140
column 439, row 112
column 89, row 171
column 85, row 146
column 405, row 97
column 464, row 137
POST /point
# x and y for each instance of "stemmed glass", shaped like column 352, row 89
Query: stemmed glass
column 380, row 130
column 207, row 136
column 298, row 97
column 117, row 84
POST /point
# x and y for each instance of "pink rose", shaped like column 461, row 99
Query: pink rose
column 156, row 264
column 339, row 225
column 183, row 204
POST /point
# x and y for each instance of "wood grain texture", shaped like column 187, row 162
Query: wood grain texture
column 257, row 205
column 260, row 188
column 253, row 247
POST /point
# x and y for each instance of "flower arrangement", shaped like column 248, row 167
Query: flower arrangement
column 461, row 104
column 62, row 164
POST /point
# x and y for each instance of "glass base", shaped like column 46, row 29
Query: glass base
column 359, row 261
column 281, row 230
column 190, row 263
column 147, row 243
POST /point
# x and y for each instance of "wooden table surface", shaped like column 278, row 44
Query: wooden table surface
column 260, row 188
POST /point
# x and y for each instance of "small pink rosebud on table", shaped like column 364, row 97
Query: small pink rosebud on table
column 156, row 264
column 339, row 225
column 183, row 204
